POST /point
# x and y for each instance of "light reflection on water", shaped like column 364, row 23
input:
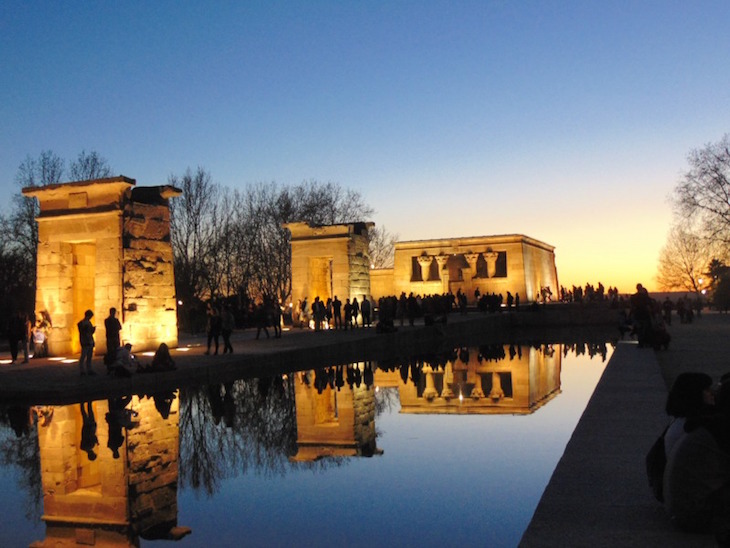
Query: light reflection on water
column 245, row 472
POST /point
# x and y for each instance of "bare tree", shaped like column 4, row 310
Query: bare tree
column 192, row 218
column 703, row 194
column 683, row 260
column 382, row 247
column 45, row 170
column 89, row 165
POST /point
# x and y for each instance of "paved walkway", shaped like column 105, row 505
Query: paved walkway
column 598, row 494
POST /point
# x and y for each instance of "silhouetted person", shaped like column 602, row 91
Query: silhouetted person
column 113, row 328
column 355, row 311
column 348, row 314
column 697, row 475
column 15, row 334
column 86, row 338
column 262, row 322
column 213, row 328
column 162, row 361
column 276, row 319
column 336, row 314
column 365, row 308
column 228, row 323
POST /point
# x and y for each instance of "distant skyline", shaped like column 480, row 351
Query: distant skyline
column 569, row 122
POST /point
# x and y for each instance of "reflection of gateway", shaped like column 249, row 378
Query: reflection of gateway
column 334, row 419
column 481, row 380
column 103, row 488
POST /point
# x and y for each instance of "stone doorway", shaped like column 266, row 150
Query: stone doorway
column 83, row 275
column 320, row 278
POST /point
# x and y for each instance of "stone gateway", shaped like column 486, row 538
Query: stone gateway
column 104, row 244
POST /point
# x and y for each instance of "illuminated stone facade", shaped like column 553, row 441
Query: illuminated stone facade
column 493, row 379
column 329, row 260
column 109, row 472
column 101, row 244
column 491, row 264
column 333, row 260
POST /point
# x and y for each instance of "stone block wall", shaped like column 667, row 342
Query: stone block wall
column 149, row 314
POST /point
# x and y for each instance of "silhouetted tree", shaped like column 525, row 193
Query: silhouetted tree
column 89, row 165
column 703, row 194
column 192, row 219
column 382, row 247
column 682, row 260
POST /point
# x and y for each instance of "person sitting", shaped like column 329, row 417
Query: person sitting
column 162, row 361
column 697, row 474
column 690, row 396
column 39, row 341
column 124, row 363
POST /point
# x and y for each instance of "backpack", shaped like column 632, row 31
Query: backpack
column 656, row 461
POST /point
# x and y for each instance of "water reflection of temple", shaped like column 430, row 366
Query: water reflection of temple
column 109, row 472
column 335, row 410
column 477, row 380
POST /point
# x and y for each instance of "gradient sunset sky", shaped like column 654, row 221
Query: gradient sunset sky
column 569, row 122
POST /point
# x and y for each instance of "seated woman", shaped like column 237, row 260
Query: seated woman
column 162, row 361
column 39, row 341
column 697, row 474
column 690, row 396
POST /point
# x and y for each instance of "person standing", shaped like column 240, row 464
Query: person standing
column 113, row 328
column 336, row 306
column 86, row 338
column 365, row 309
column 228, row 324
column 355, row 311
column 213, row 328
column 27, row 337
column 15, row 334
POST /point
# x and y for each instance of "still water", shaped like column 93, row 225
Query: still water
column 434, row 450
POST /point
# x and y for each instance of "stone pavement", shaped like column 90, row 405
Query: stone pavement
column 598, row 494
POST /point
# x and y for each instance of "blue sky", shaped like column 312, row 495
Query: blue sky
column 566, row 121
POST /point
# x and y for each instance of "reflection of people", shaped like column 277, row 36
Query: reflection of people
column 88, row 430
column 113, row 328
column 163, row 403
column 117, row 418
column 86, row 338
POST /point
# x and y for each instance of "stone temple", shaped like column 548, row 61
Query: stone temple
column 333, row 260
column 105, row 243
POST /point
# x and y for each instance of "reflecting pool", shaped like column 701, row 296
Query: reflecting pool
column 431, row 450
